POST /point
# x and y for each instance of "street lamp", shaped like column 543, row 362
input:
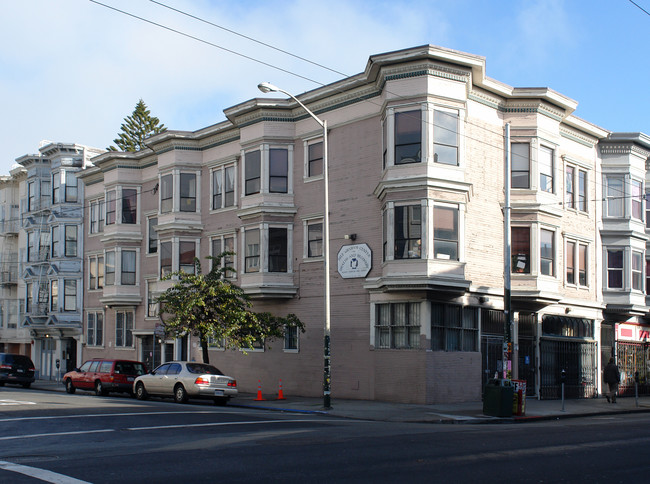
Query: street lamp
column 266, row 87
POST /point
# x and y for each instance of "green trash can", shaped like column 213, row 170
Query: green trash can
column 497, row 398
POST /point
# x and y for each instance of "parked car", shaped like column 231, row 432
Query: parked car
column 18, row 369
column 104, row 376
column 186, row 379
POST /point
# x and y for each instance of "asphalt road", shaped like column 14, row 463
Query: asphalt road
column 55, row 437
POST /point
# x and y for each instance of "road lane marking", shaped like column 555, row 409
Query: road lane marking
column 16, row 402
column 128, row 414
column 215, row 424
column 55, row 434
column 41, row 474
column 160, row 427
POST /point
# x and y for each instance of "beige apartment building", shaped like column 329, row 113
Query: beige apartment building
column 417, row 195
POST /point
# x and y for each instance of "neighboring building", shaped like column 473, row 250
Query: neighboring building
column 51, row 215
column 14, row 338
column 416, row 176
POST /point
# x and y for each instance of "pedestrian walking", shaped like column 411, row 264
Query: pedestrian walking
column 612, row 378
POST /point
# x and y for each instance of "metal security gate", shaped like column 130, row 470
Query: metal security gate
column 491, row 354
column 577, row 358
column 633, row 357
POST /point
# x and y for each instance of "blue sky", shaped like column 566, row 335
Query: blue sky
column 72, row 70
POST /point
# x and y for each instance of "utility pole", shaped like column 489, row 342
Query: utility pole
column 507, row 310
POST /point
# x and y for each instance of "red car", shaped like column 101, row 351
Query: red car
column 104, row 376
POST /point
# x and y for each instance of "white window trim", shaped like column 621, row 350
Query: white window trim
column 306, row 221
column 306, row 144
column 578, row 241
column 85, row 339
column 221, row 167
column 264, row 248
column 429, row 134
column 222, row 237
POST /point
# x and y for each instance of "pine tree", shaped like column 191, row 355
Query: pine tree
column 136, row 128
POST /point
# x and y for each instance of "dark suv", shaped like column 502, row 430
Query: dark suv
column 104, row 376
column 17, row 369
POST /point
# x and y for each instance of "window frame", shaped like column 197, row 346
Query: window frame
column 152, row 235
column 405, row 141
column 124, row 329
column 70, row 291
column 71, row 240
column 129, row 209
column 252, row 251
column 548, row 259
column 188, row 192
column 96, row 279
column 440, row 240
column 440, row 140
column 412, row 241
column 166, row 193
column 442, row 334
column 546, row 177
column 314, row 159
column 253, row 172
column 395, row 333
column 97, row 338
column 614, row 200
column 612, row 270
column 125, row 274
column 313, row 239
column 636, row 270
column 516, row 157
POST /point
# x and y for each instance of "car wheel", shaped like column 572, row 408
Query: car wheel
column 69, row 387
column 180, row 395
column 221, row 401
column 26, row 384
column 100, row 391
column 141, row 392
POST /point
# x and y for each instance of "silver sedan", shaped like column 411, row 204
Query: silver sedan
column 186, row 379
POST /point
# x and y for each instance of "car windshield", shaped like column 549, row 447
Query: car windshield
column 203, row 368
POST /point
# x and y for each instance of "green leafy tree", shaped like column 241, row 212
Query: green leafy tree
column 211, row 306
column 136, row 128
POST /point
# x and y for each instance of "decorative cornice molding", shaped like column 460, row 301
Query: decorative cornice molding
column 623, row 149
column 573, row 135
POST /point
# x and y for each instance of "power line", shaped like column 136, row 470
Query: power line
column 639, row 7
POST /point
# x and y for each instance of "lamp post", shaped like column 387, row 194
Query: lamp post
column 266, row 87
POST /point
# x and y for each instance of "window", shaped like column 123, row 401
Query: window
column 165, row 258
column 55, row 241
column 315, row 239
column 29, row 297
column 129, row 205
column 31, row 247
column 582, row 191
column 223, row 187
column 152, row 304
column 408, row 137
column 615, row 196
column 252, row 257
column 97, row 216
column 408, row 232
column 520, row 251
column 252, row 172
column 225, row 244
column 454, row 328
column 187, row 253
column 110, row 268
column 70, row 187
column 545, row 169
column 445, row 233
column 637, row 271
column 397, row 326
column 614, row 269
column 166, row 193
column 152, row 245
column 570, row 263
column 111, row 206
column 54, row 295
column 582, row 265
column 124, row 329
column 547, row 252
column 520, row 163
column 71, row 241
column 96, row 272
column 647, row 276
column 277, row 249
column 315, row 159
column 290, row 338
column 128, row 267
column 188, row 192
column 278, row 170
column 69, row 295
column 56, row 185
column 31, row 196
column 570, row 192
column 95, row 328
column 637, row 199
column 445, row 137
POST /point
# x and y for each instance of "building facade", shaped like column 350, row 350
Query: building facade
column 416, row 189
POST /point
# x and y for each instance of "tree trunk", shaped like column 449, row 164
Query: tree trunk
column 204, row 349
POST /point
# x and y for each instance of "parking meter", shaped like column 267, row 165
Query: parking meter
column 636, row 376
column 58, row 364
column 563, row 376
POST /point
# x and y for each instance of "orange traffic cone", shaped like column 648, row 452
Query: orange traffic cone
column 259, row 391
column 280, row 394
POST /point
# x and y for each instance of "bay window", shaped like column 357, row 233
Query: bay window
column 252, row 172
column 110, row 268
column 128, row 267
column 637, row 271
column 71, row 241
column 614, row 196
column 69, row 295
column 547, row 252
column 614, row 268
column 278, row 170
column 445, row 137
column 223, row 187
column 408, row 232
column 277, row 253
column 520, row 250
column 165, row 258
column 186, row 255
column 408, row 137
column 445, row 233
column 545, row 164
column 166, row 193
column 520, row 165
column 129, row 205
column 252, row 256
column 188, row 192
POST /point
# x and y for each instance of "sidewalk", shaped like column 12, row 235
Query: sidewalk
column 468, row 413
